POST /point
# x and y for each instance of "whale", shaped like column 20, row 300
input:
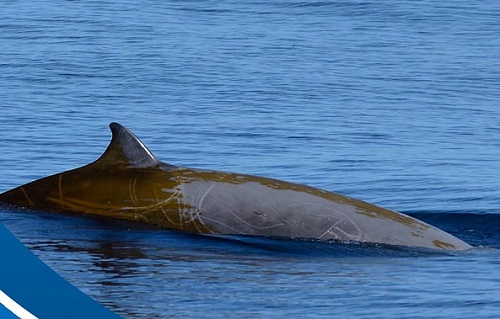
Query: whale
column 128, row 182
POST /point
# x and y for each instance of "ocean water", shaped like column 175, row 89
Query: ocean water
column 393, row 102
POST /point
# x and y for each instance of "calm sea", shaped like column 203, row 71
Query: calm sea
column 392, row 102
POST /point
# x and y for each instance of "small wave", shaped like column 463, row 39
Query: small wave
column 318, row 248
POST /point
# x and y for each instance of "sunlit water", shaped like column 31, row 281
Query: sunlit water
column 396, row 103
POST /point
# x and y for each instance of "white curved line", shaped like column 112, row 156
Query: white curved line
column 202, row 199
column 14, row 307
column 329, row 229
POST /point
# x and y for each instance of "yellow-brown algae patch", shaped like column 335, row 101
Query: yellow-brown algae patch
column 443, row 245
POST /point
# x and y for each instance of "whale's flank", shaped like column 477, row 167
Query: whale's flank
column 129, row 182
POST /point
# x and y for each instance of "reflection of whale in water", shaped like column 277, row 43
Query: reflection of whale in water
column 128, row 182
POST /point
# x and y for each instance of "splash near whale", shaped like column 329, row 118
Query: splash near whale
column 128, row 182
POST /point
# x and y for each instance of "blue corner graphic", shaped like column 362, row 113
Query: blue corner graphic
column 6, row 313
column 29, row 289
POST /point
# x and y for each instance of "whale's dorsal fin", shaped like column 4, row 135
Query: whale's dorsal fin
column 126, row 149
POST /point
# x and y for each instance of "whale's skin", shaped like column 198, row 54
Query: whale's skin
column 128, row 182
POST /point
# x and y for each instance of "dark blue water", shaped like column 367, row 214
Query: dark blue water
column 393, row 102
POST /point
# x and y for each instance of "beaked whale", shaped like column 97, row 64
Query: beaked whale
column 128, row 182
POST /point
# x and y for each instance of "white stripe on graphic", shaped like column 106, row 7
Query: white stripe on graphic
column 14, row 307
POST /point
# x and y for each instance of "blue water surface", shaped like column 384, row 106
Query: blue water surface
column 392, row 102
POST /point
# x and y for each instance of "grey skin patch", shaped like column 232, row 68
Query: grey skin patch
column 254, row 209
